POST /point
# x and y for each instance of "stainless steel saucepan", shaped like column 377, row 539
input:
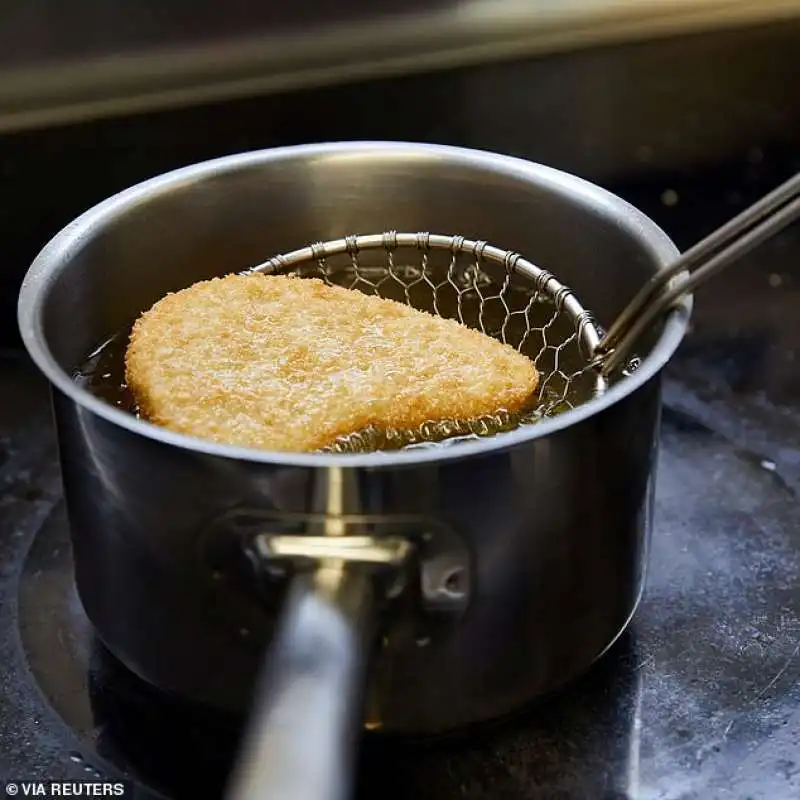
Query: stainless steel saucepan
column 454, row 584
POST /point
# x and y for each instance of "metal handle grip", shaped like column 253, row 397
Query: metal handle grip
column 301, row 740
column 711, row 255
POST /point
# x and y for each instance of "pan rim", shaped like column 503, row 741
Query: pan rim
column 56, row 254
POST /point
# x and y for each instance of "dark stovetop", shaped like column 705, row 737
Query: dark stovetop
column 700, row 699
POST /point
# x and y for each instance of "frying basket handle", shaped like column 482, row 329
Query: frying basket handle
column 300, row 744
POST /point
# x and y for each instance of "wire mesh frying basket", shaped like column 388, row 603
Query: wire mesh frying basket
column 495, row 291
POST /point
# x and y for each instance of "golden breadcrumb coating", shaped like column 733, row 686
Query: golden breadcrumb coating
column 291, row 364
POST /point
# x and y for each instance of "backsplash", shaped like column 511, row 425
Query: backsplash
column 689, row 129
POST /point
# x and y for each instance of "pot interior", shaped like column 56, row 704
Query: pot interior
column 227, row 215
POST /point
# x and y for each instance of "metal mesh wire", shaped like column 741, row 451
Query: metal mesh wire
column 492, row 290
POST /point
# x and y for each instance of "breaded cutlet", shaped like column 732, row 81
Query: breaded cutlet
column 292, row 364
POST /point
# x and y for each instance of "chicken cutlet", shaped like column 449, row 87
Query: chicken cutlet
column 291, row 364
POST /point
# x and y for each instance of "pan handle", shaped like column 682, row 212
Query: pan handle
column 300, row 744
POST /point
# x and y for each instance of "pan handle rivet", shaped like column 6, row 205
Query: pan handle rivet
column 452, row 583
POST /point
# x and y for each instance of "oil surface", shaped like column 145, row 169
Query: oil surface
column 565, row 380
column 103, row 373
